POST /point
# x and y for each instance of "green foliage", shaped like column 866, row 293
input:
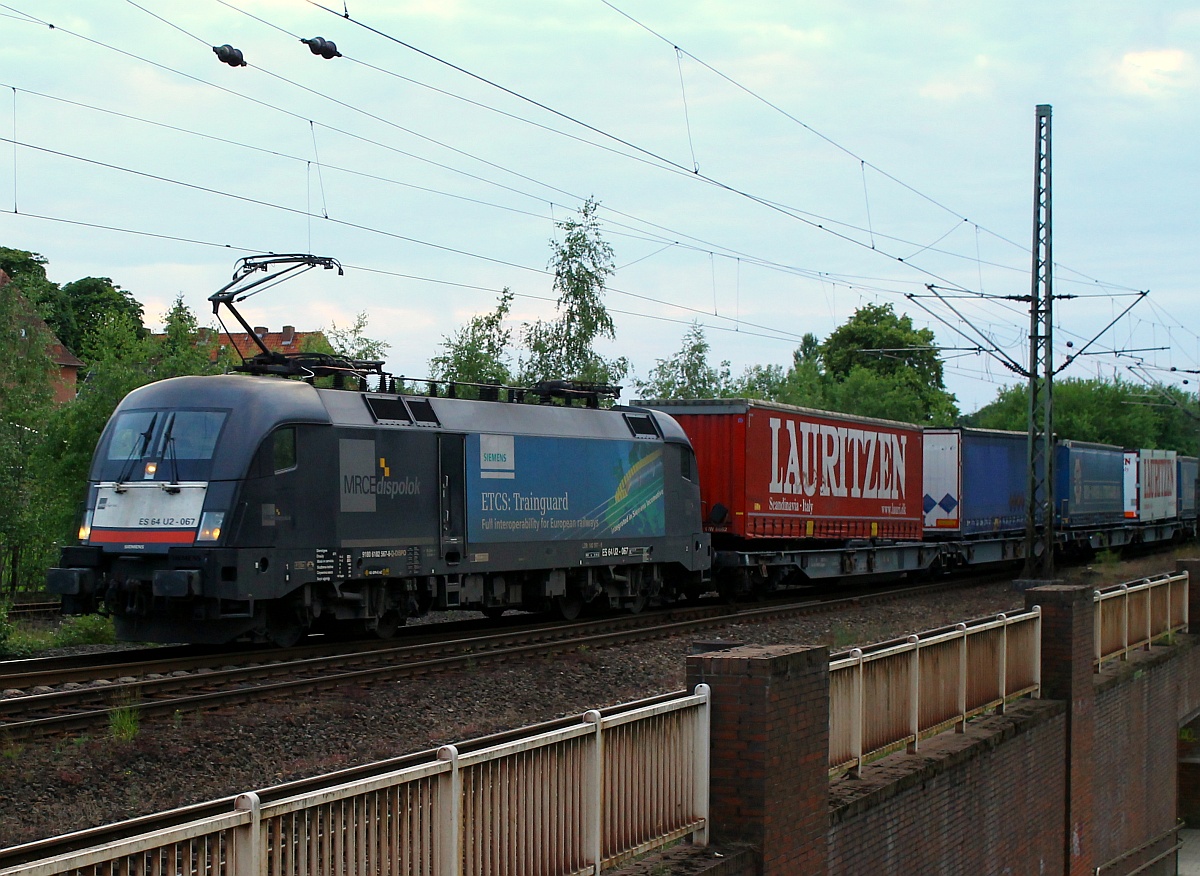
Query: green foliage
column 90, row 629
column 30, row 639
column 477, row 352
column 353, row 343
column 688, row 373
column 182, row 350
column 564, row 346
column 124, row 722
column 26, row 390
column 875, row 342
column 874, row 365
column 1116, row 412
column 27, row 270
column 87, row 304
column 6, row 630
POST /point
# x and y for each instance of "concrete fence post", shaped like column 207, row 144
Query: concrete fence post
column 1192, row 567
column 593, row 792
column 769, row 764
column 703, row 747
column 448, row 860
column 248, row 859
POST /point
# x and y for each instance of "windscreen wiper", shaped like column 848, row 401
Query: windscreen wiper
column 134, row 453
column 169, row 448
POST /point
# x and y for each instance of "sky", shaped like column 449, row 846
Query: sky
column 762, row 168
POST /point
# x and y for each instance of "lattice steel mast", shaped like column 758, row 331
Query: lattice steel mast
column 1039, row 522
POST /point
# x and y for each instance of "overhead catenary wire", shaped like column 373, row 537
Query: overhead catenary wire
column 702, row 246
column 869, row 229
column 362, row 227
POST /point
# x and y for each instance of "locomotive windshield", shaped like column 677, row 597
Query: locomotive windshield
column 186, row 439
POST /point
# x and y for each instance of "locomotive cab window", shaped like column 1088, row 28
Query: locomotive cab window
column 131, row 435
column 687, row 464
column 284, row 449
column 182, row 435
column 193, row 434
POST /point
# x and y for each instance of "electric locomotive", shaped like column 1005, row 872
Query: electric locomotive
column 256, row 507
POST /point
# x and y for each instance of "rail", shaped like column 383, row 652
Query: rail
column 898, row 695
column 567, row 801
column 1134, row 616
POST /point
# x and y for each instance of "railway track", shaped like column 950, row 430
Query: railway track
column 25, row 610
column 72, row 699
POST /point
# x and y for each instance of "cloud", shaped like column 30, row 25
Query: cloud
column 973, row 81
column 1157, row 72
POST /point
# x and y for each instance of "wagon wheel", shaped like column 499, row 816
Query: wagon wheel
column 493, row 612
column 569, row 606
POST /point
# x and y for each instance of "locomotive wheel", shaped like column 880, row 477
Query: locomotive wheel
column 636, row 605
column 284, row 628
column 388, row 625
column 569, row 607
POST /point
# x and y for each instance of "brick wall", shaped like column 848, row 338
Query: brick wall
column 976, row 803
column 1061, row 785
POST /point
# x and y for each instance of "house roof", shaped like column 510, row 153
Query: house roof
column 287, row 340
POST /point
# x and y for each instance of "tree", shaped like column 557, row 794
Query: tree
column 183, row 349
column 564, row 347
column 1109, row 412
column 477, row 352
column 887, row 345
column 26, row 374
column 85, row 304
column 688, row 373
column 804, row 383
column 353, row 343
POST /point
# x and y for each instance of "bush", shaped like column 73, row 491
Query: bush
column 88, row 629
column 6, row 629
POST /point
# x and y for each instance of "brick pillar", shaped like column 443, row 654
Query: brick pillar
column 1068, row 645
column 1192, row 567
column 770, row 752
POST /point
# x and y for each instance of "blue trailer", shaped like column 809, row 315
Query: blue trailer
column 975, row 482
column 1188, row 471
column 1088, row 484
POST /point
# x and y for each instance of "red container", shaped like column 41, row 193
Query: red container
column 771, row 470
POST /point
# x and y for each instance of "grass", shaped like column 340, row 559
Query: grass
column 124, row 721
column 28, row 638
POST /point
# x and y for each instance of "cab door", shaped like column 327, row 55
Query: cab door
column 451, row 496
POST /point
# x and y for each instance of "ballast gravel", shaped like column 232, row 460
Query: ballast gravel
column 51, row 787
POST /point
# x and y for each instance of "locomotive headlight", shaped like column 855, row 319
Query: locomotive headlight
column 85, row 526
column 210, row 525
column 151, row 471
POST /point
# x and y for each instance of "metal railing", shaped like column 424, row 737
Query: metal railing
column 567, row 801
column 1135, row 615
column 900, row 694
